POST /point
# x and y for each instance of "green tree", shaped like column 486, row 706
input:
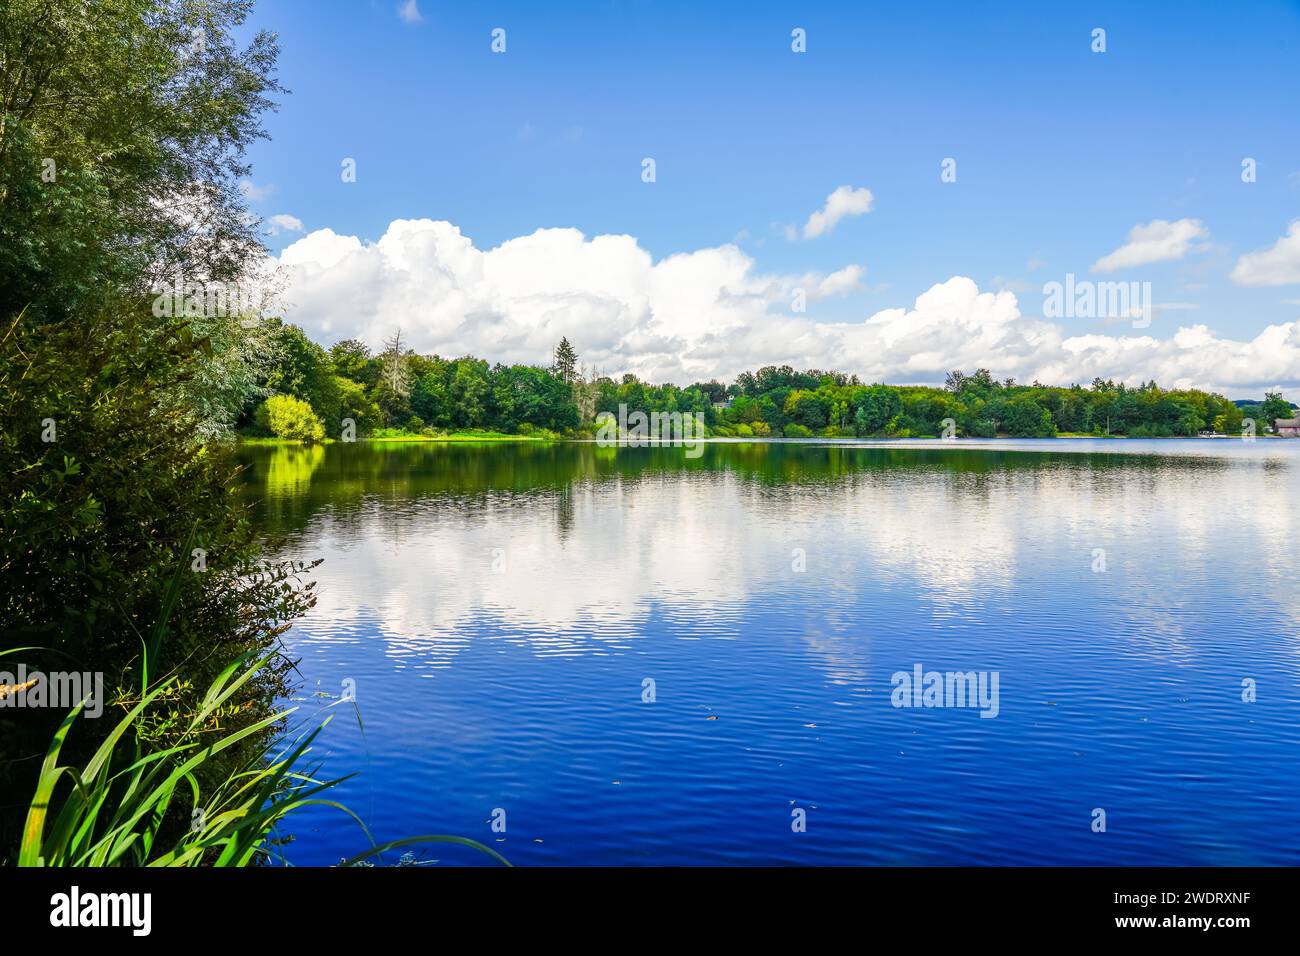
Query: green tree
column 469, row 391
column 122, row 145
column 1274, row 407
column 806, row 408
column 355, row 404
column 301, row 368
column 566, row 361
column 1025, row 418
column 351, row 359
column 123, row 125
column 523, row 394
column 878, row 406
column 287, row 417
column 429, row 399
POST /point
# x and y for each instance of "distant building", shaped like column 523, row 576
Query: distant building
column 1288, row 427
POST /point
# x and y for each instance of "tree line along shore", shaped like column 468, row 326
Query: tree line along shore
column 309, row 393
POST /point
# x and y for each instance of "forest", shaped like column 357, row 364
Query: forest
column 397, row 391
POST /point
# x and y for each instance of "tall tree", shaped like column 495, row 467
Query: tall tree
column 396, row 375
column 123, row 126
column 586, row 392
column 1275, row 407
column 566, row 361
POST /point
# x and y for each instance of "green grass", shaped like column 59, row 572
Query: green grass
column 114, row 810
column 261, row 440
column 394, row 434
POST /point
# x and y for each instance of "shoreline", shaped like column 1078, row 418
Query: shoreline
column 469, row 438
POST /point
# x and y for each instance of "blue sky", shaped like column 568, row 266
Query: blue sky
column 1060, row 151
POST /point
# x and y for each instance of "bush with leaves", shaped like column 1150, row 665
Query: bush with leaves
column 121, row 147
column 104, row 489
column 290, row 418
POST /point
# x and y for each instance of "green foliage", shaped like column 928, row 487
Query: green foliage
column 352, row 360
column 832, row 403
column 291, row 418
column 146, row 130
column 123, row 126
column 140, row 802
column 565, row 366
column 523, row 395
column 113, row 811
column 469, row 391
column 104, row 487
column 1025, row 418
column 808, row 409
column 466, row 394
column 1274, row 407
column 303, row 370
column 429, row 397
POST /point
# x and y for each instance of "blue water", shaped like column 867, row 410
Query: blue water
column 499, row 608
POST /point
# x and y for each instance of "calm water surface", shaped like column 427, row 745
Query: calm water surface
column 499, row 608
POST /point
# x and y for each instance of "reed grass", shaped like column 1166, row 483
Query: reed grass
column 114, row 810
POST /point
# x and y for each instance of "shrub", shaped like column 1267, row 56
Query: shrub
column 795, row 430
column 98, row 518
column 290, row 418
column 744, row 431
column 761, row 429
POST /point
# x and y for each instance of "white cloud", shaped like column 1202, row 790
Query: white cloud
column 1277, row 265
column 283, row 222
column 1157, row 241
column 845, row 201
column 409, row 12
column 254, row 192
column 710, row 312
column 842, row 282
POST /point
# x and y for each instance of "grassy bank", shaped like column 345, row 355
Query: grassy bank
column 396, row 435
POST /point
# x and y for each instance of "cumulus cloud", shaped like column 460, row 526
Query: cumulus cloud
column 711, row 312
column 283, row 222
column 1157, row 241
column 1277, row 265
column 845, row 201
column 845, row 280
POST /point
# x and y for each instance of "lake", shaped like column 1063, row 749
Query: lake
column 634, row 657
